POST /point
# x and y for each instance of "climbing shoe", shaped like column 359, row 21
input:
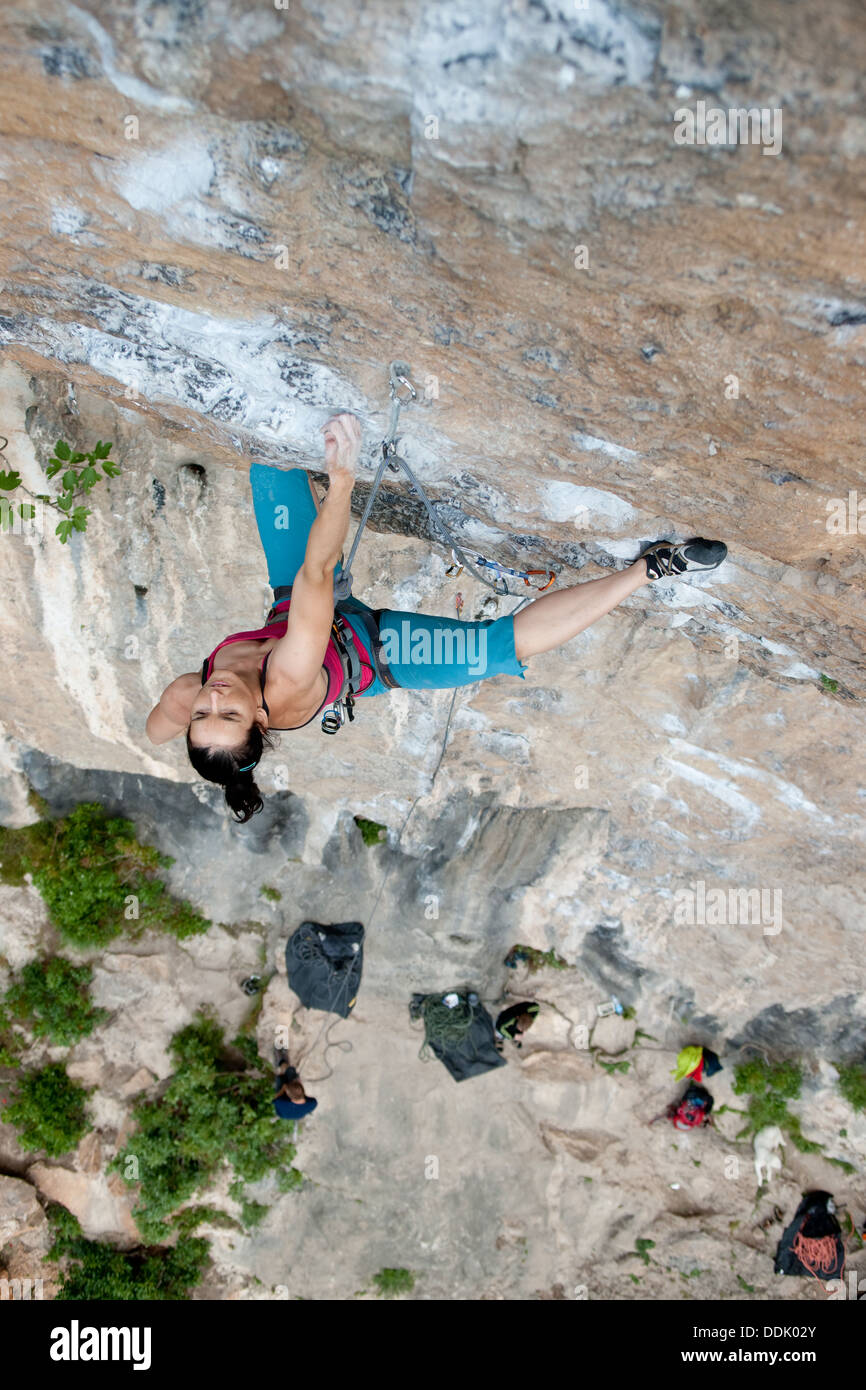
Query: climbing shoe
column 670, row 559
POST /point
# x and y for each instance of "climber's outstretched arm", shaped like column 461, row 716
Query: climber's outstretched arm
column 171, row 716
column 297, row 658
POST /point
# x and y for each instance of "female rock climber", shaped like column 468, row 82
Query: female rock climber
column 308, row 657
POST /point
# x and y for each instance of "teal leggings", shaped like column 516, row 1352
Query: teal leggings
column 423, row 653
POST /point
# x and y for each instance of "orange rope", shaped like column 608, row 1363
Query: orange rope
column 818, row 1256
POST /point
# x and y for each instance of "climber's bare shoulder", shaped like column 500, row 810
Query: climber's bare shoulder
column 170, row 716
column 290, row 703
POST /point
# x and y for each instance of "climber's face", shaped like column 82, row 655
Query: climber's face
column 224, row 711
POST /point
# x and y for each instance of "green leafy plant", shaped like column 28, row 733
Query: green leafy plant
column 390, row 1283
column 769, row 1086
column 750, row 1288
column 95, row 1271
column 252, row 1213
column 610, row 1067
column 372, row 833
column 95, row 877
column 842, row 1163
column 829, row 684
column 216, row 1110
column 76, row 483
column 273, row 895
column 642, row 1248
column 535, row 960
column 852, row 1084
column 47, row 1109
column 190, row 1218
column 50, row 997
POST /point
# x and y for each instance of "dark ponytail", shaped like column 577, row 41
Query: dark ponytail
column 230, row 768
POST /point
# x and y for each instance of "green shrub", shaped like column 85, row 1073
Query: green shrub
column 372, row 833
column 190, row 1218
column 535, row 959
column 97, row 1272
column 217, row 1109
column 769, row 1086
column 289, row 1179
column 50, row 997
column 252, row 1213
column 757, row 1076
column 852, row 1084
column 391, row 1282
column 47, row 1109
column 95, row 878
column 273, row 895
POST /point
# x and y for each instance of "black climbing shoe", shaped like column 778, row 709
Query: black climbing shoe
column 281, row 1058
column 670, row 559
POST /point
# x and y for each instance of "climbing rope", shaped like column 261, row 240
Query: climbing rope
column 443, row 1026
column 310, row 954
column 818, row 1254
column 342, row 1045
column 402, row 392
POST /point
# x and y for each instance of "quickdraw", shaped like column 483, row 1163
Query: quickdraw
column 402, row 392
column 529, row 577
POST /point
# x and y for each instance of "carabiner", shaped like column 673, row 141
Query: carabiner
column 455, row 568
column 332, row 719
column 398, row 376
column 539, row 588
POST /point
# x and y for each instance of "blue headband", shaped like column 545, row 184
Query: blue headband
column 249, row 767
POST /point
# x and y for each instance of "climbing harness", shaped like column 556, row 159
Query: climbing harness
column 343, row 707
column 402, row 392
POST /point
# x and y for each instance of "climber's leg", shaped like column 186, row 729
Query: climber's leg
column 436, row 653
column 285, row 505
column 555, row 618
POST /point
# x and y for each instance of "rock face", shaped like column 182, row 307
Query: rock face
column 25, row 1238
column 220, row 224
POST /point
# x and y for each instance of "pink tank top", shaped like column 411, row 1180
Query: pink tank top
column 332, row 665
